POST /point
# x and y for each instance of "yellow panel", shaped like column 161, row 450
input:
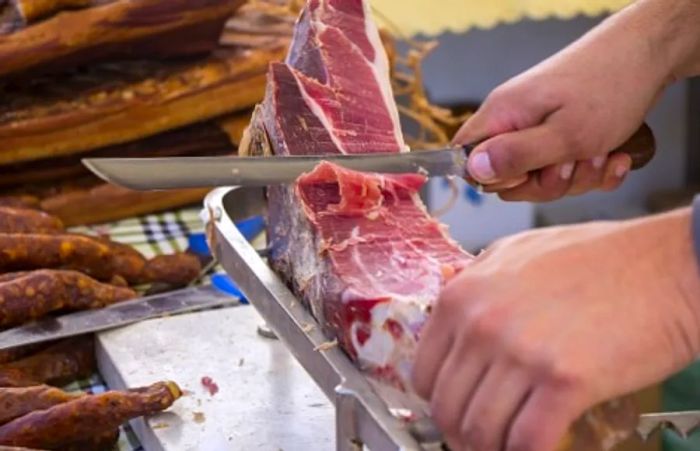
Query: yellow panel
column 432, row 17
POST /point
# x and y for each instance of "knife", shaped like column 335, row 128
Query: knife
column 682, row 423
column 116, row 315
column 205, row 172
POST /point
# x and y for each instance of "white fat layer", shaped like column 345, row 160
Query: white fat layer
column 380, row 67
column 381, row 349
column 318, row 112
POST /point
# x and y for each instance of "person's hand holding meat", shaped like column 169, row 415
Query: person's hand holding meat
column 548, row 132
column 546, row 324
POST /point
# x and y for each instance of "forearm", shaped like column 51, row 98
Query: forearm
column 673, row 233
column 669, row 268
column 672, row 31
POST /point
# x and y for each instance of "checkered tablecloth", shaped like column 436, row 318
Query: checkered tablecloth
column 152, row 235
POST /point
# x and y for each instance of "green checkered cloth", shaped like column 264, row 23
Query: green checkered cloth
column 152, row 235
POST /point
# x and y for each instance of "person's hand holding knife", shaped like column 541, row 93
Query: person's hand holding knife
column 548, row 132
column 546, row 324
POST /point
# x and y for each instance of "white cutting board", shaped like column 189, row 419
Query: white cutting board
column 266, row 401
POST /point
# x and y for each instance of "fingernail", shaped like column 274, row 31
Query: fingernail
column 620, row 171
column 598, row 162
column 480, row 167
column 567, row 170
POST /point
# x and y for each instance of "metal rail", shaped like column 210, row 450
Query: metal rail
column 363, row 418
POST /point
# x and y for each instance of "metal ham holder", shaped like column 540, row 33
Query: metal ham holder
column 363, row 417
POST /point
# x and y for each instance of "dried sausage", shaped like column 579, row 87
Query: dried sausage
column 16, row 448
column 12, row 275
column 19, row 401
column 38, row 293
column 70, row 422
column 38, row 251
column 12, row 354
column 127, row 262
column 58, row 364
column 23, row 220
column 33, row 10
column 176, row 270
column 20, row 201
column 96, row 257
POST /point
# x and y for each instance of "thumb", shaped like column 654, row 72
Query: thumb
column 512, row 155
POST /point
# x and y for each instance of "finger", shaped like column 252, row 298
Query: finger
column 526, row 192
column 555, row 181
column 588, row 175
column 549, row 184
column 544, row 406
column 506, row 184
column 489, row 120
column 477, row 128
column 512, row 106
column 433, row 347
column 510, row 155
column 500, row 395
column 616, row 169
column 458, row 378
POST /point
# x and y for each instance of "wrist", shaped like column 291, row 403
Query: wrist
column 680, row 255
column 672, row 35
column 673, row 273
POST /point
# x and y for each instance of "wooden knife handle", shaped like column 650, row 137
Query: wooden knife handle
column 641, row 147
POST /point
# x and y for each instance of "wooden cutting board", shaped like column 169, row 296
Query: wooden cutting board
column 265, row 401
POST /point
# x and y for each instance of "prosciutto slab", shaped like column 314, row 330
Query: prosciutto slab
column 359, row 249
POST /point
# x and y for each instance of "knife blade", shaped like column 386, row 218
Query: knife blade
column 682, row 423
column 206, row 172
column 121, row 314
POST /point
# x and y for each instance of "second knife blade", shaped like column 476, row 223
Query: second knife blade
column 116, row 315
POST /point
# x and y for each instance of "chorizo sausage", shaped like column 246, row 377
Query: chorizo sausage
column 38, row 293
column 177, row 270
column 19, row 401
column 58, row 364
column 12, row 354
column 20, row 201
column 127, row 262
column 38, row 251
column 12, row 275
column 96, row 257
column 70, row 422
column 23, row 220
